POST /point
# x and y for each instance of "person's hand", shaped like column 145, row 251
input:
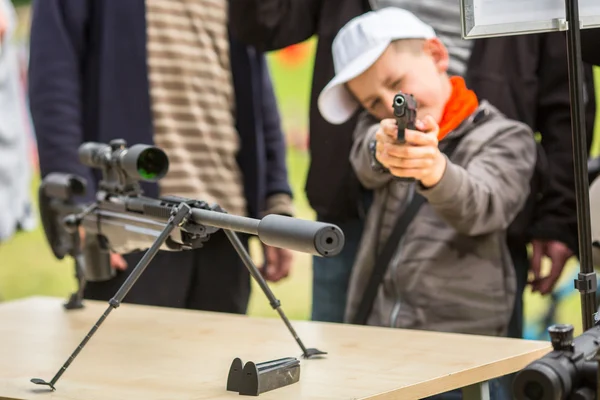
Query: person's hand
column 558, row 253
column 116, row 260
column 278, row 263
column 418, row 158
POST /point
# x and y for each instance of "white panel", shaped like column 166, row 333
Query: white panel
column 487, row 18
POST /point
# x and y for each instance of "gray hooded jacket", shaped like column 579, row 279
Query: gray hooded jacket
column 452, row 270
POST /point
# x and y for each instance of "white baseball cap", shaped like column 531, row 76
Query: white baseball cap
column 357, row 46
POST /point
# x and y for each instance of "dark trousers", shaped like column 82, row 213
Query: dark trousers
column 212, row 278
column 521, row 264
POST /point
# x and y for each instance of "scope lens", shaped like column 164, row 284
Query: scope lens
column 152, row 164
column 533, row 391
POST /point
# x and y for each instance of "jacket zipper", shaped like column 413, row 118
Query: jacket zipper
column 394, row 267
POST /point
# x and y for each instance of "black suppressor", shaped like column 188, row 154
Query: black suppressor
column 301, row 235
column 139, row 162
column 316, row 238
column 568, row 372
column 405, row 111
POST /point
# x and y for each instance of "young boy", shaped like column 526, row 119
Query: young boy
column 451, row 271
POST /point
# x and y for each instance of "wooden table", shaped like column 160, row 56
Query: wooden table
column 148, row 353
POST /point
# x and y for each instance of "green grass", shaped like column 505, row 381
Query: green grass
column 28, row 267
column 295, row 291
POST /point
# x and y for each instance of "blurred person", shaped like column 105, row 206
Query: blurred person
column 16, row 211
column 525, row 77
column 332, row 188
column 165, row 72
column 590, row 46
column 450, row 270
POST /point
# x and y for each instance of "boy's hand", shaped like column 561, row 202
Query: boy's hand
column 418, row 158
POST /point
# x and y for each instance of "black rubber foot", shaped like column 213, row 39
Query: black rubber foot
column 74, row 303
column 313, row 353
column 38, row 381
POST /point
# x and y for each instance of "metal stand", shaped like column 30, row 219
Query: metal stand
column 586, row 282
column 179, row 216
column 275, row 304
column 252, row 379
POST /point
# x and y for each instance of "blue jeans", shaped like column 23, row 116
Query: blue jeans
column 332, row 274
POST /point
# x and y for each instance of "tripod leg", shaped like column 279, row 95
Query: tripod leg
column 182, row 212
column 275, row 304
column 76, row 299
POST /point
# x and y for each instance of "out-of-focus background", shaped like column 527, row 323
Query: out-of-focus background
column 28, row 268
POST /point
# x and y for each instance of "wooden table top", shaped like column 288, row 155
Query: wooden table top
column 148, row 353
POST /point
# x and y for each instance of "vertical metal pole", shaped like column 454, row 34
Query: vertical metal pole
column 586, row 282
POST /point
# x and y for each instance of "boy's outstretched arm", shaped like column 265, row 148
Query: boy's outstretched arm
column 361, row 156
column 487, row 195
column 273, row 24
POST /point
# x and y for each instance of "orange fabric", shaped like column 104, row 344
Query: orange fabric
column 462, row 103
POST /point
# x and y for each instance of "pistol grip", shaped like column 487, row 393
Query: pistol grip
column 400, row 139
column 403, row 124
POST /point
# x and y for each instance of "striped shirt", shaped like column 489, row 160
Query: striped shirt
column 444, row 17
column 192, row 100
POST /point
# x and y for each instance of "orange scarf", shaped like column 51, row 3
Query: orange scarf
column 461, row 104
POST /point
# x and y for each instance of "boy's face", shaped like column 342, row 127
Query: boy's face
column 420, row 73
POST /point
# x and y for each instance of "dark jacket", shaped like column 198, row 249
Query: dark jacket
column 526, row 80
column 590, row 46
column 526, row 77
column 332, row 187
column 88, row 82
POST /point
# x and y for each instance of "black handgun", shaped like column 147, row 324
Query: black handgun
column 405, row 111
